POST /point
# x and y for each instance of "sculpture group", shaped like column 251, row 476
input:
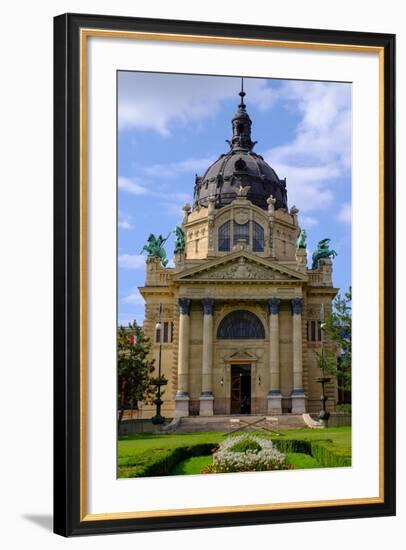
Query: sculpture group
column 155, row 245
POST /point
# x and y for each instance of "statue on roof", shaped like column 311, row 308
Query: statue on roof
column 180, row 242
column 155, row 248
column 301, row 240
column 323, row 252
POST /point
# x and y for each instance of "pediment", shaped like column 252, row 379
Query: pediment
column 240, row 266
column 241, row 356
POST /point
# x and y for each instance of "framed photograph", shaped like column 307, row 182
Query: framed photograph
column 224, row 274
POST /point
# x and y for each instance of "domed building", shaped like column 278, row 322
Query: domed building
column 240, row 311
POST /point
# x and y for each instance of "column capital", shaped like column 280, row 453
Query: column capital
column 208, row 306
column 273, row 306
column 297, row 306
column 184, row 306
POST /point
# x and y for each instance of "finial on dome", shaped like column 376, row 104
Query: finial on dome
column 242, row 94
column 241, row 125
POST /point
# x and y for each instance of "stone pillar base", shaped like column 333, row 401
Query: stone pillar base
column 299, row 402
column 181, row 405
column 274, row 403
column 206, row 405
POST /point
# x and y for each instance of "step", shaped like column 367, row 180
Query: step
column 228, row 423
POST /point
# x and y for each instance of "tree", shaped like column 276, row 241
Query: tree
column 337, row 328
column 134, row 369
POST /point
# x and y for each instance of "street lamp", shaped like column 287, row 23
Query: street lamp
column 158, row 418
column 324, row 415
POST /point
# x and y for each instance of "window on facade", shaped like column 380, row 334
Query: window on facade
column 257, row 237
column 314, row 331
column 224, row 237
column 239, row 325
column 241, row 232
column 166, row 331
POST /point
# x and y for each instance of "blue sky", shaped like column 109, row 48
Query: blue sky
column 171, row 127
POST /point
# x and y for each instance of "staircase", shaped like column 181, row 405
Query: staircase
column 232, row 423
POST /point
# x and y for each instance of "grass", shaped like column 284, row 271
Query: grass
column 133, row 445
column 300, row 461
column 190, row 466
column 329, row 447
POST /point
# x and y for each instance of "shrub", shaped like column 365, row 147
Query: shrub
column 258, row 455
column 160, row 462
column 318, row 449
column 245, row 445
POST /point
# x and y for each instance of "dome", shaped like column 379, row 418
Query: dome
column 240, row 167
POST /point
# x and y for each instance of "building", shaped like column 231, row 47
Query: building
column 241, row 311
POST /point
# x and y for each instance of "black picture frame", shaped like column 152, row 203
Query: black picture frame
column 67, row 343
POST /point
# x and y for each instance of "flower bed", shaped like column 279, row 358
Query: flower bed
column 247, row 453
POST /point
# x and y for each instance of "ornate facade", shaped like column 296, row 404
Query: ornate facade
column 241, row 310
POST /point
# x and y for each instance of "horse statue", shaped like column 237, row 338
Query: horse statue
column 155, row 247
column 323, row 251
column 180, row 242
column 301, row 240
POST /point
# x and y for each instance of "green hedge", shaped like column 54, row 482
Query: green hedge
column 318, row 449
column 160, row 462
column 329, row 457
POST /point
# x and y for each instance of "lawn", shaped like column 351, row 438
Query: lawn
column 136, row 453
column 193, row 465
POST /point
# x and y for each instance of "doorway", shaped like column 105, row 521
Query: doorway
column 240, row 389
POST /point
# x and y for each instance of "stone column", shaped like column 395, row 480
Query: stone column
column 206, row 396
column 298, row 397
column 182, row 395
column 274, row 395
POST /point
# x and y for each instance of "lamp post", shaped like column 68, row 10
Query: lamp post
column 324, row 415
column 158, row 418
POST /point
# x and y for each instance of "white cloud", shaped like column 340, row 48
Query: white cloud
column 134, row 298
column 306, row 221
column 171, row 202
column 345, row 213
column 324, row 132
column 320, row 151
column 132, row 186
column 157, row 102
column 131, row 261
column 124, row 221
column 172, row 169
column 307, row 185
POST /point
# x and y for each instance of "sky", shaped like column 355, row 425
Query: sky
column 171, row 127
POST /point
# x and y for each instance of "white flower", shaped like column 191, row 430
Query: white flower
column 262, row 459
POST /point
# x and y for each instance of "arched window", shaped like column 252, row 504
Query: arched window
column 241, row 232
column 239, row 325
column 257, row 238
column 224, row 237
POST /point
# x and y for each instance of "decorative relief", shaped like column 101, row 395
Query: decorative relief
column 242, row 269
column 241, row 215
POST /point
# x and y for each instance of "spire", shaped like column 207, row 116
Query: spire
column 241, row 124
column 241, row 106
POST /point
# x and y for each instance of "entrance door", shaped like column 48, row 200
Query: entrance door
column 240, row 389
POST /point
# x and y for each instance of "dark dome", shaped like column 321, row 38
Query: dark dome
column 240, row 167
